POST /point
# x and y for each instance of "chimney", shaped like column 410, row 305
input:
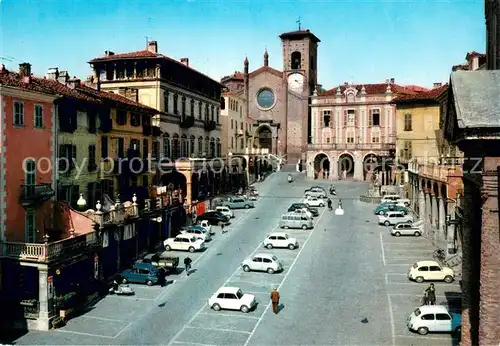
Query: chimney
column 392, row 80
column 74, row 82
column 437, row 85
column 153, row 46
column 3, row 69
column 346, row 83
column 108, row 53
column 25, row 69
column 185, row 61
column 53, row 73
column 63, row 77
column 246, row 65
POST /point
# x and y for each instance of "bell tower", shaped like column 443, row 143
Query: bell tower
column 300, row 55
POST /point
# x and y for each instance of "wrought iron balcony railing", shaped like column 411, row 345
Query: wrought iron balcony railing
column 32, row 195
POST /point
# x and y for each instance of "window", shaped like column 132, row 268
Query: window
column 443, row 317
column 121, row 117
column 434, row 269
column 121, row 147
column 68, row 152
column 30, row 173
column 212, row 110
column 30, row 226
column 374, row 118
column 176, row 150
column 200, row 146
column 38, row 116
column 183, row 105
column 427, row 317
column 350, row 115
column 217, row 115
column 295, row 60
column 192, row 139
column 407, row 150
column 199, row 109
column 184, row 146
column 155, row 150
column 166, row 146
column 241, row 125
column 350, row 139
column 135, row 144
column 104, row 147
column 191, row 109
column 176, row 104
column 207, row 145
column 219, row 148
column 92, row 161
column 212, row 147
column 265, row 98
column 375, row 139
column 145, row 148
column 326, row 118
column 18, row 113
column 135, row 119
column 242, row 143
column 423, row 269
column 165, row 102
column 407, row 122
column 206, row 112
column 91, row 122
column 232, row 124
column 232, row 142
column 145, row 181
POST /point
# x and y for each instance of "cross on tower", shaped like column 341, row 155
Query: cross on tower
column 298, row 22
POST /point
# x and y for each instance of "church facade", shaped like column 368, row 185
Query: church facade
column 278, row 100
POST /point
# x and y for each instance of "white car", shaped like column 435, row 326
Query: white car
column 184, row 242
column 232, row 298
column 262, row 262
column 396, row 199
column 430, row 271
column 206, row 225
column 225, row 210
column 393, row 218
column 314, row 201
column 280, row 239
column 197, row 232
column 434, row 318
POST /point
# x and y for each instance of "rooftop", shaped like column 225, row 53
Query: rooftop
column 476, row 98
column 372, row 89
column 300, row 34
column 429, row 95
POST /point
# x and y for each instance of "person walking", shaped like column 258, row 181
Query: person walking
column 222, row 228
column 431, row 295
column 329, row 202
column 187, row 265
column 275, row 299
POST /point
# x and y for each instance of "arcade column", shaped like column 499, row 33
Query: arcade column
column 186, row 169
column 358, row 169
column 334, row 165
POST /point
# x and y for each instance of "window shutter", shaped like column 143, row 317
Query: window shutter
column 370, row 118
column 321, row 120
column 73, row 155
column 356, row 118
column 62, row 154
column 345, row 117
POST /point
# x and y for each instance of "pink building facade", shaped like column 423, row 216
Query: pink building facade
column 353, row 131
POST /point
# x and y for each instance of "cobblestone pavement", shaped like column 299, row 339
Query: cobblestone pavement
column 338, row 288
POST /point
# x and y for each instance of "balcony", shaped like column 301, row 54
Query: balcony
column 32, row 195
column 187, row 121
column 49, row 252
column 210, row 125
column 115, row 216
column 352, row 146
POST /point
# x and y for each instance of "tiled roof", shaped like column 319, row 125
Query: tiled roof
column 461, row 67
column 266, row 69
column 379, row 88
column 64, row 90
column 236, row 75
column 130, row 55
column 145, row 54
column 113, row 98
column 476, row 98
column 430, row 95
column 298, row 34
column 233, row 93
column 474, row 54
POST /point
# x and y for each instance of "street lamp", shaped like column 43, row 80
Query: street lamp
column 81, row 203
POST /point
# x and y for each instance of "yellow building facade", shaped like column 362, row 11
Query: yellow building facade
column 236, row 127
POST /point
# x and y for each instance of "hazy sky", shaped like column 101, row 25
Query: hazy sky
column 415, row 42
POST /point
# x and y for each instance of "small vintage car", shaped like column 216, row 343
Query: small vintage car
column 237, row 202
column 232, row 298
column 161, row 260
column 141, row 273
column 434, row 318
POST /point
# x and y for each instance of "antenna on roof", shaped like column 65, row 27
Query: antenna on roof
column 147, row 41
column 298, row 22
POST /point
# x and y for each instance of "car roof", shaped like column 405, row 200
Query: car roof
column 433, row 308
column 143, row 265
column 228, row 290
column 262, row 254
column 277, row 233
column 427, row 263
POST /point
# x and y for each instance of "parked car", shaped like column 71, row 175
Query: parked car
column 393, row 218
column 225, row 210
column 430, row 271
column 396, row 199
column 141, row 273
column 206, row 225
column 184, row 242
column 434, row 318
column 232, row 298
column 238, row 202
column 314, row 201
column 295, row 220
column 382, row 209
column 304, row 211
column 213, row 218
column 295, row 206
column 262, row 262
column 406, row 229
column 197, row 232
column 280, row 239
column 161, row 261
column 316, row 191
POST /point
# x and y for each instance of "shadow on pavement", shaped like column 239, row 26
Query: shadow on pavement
column 192, row 271
column 281, row 307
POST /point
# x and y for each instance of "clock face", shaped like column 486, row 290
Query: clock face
column 296, row 82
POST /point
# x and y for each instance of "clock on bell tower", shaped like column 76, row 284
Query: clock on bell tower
column 300, row 55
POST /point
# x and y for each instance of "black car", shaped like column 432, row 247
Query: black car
column 295, row 206
column 213, row 218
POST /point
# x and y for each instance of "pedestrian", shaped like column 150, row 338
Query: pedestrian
column 187, row 264
column 275, row 299
column 431, row 295
column 222, row 228
column 329, row 201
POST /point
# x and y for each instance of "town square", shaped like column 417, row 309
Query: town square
column 204, row 173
